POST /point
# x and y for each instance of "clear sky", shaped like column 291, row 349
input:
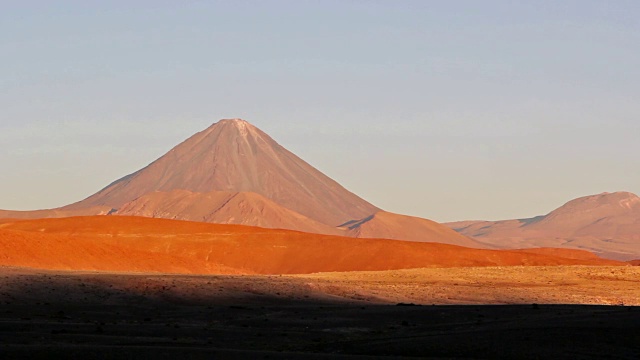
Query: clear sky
column 448, row 110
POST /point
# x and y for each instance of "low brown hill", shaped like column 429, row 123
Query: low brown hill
column 607, row 224
column 120, row 243
column 635, row 262
column 387, row 225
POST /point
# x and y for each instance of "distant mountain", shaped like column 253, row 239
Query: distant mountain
column 233, row 173
column 607, row 224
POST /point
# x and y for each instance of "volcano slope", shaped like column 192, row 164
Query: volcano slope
column 607, row 224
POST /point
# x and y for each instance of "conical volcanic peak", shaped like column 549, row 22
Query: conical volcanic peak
column 233, row 155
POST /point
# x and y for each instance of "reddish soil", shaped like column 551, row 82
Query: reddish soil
column 119, row 243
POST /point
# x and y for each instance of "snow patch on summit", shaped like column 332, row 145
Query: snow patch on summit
column 242, row 127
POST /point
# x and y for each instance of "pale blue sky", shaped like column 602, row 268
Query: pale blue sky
column 448, row 110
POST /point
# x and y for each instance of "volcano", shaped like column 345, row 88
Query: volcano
column 233, row 155
column 234, row 173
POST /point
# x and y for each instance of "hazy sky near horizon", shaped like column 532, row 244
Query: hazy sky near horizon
column 448, row 110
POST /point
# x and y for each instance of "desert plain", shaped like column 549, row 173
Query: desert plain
column 474, row 312
column 226, row 294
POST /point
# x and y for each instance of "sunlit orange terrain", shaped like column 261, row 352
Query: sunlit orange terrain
column 120, row 243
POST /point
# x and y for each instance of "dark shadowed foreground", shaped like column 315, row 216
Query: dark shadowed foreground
column 343, row 315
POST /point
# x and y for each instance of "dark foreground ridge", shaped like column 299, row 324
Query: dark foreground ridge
column 89, row 316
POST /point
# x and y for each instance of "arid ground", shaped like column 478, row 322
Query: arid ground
column 133, row 287
column 400, row 313
column 122, row 243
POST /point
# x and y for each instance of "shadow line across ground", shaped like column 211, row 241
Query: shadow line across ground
column 99, row 316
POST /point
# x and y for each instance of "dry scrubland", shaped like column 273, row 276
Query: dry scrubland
column 596, row 285
column 489, row 285
column 48, row 314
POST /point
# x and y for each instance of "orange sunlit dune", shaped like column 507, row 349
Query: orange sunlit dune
column 136, row 244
